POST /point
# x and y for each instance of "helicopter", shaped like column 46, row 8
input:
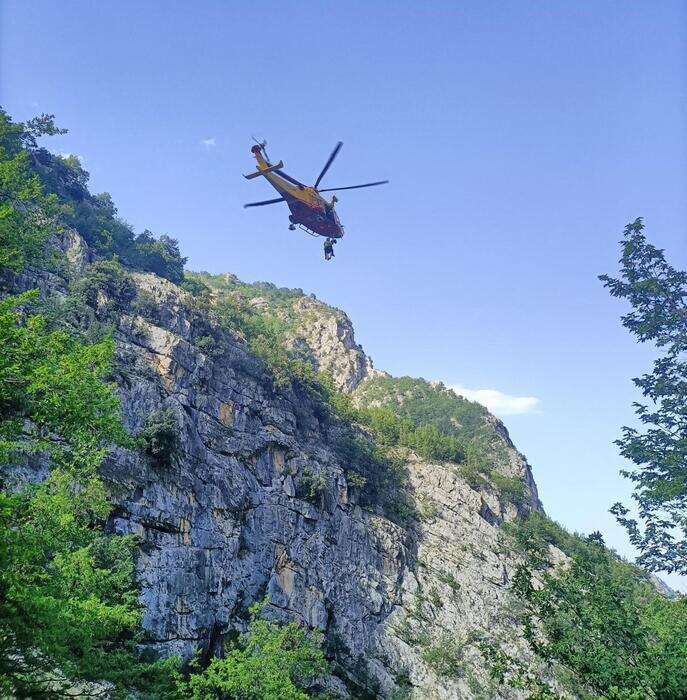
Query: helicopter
column 310, row 211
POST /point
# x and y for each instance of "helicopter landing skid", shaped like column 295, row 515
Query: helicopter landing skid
column 302, row 227
column 308, row 231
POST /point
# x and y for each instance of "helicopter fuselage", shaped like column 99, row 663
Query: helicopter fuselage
column 308, row 207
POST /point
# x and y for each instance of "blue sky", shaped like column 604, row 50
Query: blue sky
column 519, row 138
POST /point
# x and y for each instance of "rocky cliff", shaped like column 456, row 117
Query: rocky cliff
column 257, row 502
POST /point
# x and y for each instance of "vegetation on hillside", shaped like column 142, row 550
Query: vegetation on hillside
column 438, row 424
column 229, row 284
column 423, row 402
column 41, row 192
column 594, row 615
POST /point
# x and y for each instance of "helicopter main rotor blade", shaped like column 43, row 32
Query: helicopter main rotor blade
column 289, row 178
column 330, row 160
column 354, row 187
column 262, row 204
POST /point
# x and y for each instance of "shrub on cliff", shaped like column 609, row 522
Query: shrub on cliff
column 160, row 436
column 106, row 278
column 158, row 255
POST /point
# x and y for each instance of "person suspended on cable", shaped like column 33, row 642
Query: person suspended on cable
column 329, row 248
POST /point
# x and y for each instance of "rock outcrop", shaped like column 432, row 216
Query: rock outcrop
column 325, row 335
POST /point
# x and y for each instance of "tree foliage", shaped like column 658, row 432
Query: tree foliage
column 106, row 284
column 271, row 662
column 68, row 604
column 598, row 617
column 26, row 214
column 657, row 293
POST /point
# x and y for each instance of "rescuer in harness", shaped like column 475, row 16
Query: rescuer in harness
column 329, row 248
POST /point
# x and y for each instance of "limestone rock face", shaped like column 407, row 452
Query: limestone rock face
column 230, row 520
column 325, row 336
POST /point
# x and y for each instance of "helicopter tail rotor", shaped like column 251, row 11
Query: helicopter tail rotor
column 261, row 146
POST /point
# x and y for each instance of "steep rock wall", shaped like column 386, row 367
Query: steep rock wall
column 229, row 520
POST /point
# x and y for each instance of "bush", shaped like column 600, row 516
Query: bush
column 145, row 304
column 109, row 279
column 313, row 484
column 511, row 489
column 356, row 480
column 160, row 256
column 383, row 474
column 160, row 436
column 195, row 286
column 450, row 580
column 428, row 442
column 445, row 657
column 475, row 476
column 480, row 475
column 209, row 346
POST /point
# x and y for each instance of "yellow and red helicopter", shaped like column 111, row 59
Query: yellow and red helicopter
column 309, row 209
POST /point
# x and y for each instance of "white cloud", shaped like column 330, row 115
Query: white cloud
column 497, row 402
column 209, row 142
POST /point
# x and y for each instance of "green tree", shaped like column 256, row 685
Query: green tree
column 159, row 255
column 26, row 214
column 68, row 604
column 271, row 662
column 160, row 436
column 657, row 293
